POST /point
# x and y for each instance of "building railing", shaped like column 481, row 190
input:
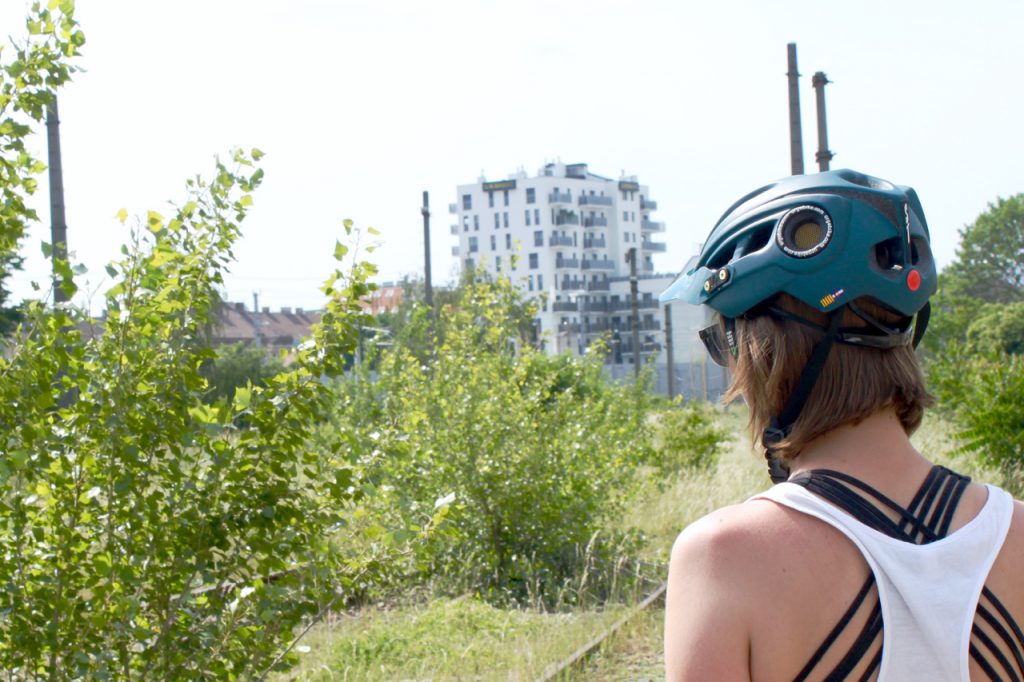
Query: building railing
column 453, row 208
column 455, row 251
column 599, row 264
column 454, row 229
column 567, row 219
column 570, row 327
column 657, row 247
column 595, row 221
column 649, row 304
column 595, row 243
column 595, row 307
column 567, row 262
column 652, row 226
column 600, row 285
column 648, row 205
column 594, row 200
column 564, row 306
column 558, row 240
column 572, row 285
column 560, row 198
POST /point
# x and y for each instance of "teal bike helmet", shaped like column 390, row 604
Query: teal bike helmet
column 827, row 239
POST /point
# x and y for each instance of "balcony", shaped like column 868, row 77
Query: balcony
column 571, row 263
column 569, row 328
column 599, row 264
column 594, row 200
column 652, row 226
column 600, row 285
column 595, row 221
column 598, row 326
column 572, row 285
column 595, row 243
column 559, row 198
column 567, row 219
column 644, row 326
column 454, row 229
column 595, row 307
column 648, row 205
column 455, row 251
column 657, row 247
column 564, row 306
column 453, row 208
column 649, row 304
column 558, row 240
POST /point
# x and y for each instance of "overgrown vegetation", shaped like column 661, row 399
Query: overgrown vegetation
column 977, row 338
column 168, row 512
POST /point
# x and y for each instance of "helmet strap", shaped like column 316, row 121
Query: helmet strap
column 779, row 427
column 921, row 323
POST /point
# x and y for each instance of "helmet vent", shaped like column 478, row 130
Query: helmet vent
column 804, row 231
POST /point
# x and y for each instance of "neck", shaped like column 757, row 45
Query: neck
column 873, row 449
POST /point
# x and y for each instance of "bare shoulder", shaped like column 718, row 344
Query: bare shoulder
column 730, row 571
column 755, row 531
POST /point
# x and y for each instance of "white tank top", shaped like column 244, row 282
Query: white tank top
column 928, row 593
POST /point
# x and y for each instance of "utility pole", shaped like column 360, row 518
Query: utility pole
column 58, row 224
column 670, row 353
column 634, row 321
column 823, row 156
column 796, row 142
column 425, row 210
column 257, row 321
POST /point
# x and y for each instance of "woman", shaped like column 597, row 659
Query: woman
column 866, row 561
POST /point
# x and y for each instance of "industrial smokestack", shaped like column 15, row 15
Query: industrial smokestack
column 796, row 142
column 823, row 155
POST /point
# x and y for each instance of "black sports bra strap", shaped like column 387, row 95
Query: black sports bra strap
column 928, row 517
column 829, row 484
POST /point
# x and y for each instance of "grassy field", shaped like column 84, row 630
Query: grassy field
column 465, row 639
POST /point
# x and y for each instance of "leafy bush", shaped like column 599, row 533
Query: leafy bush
column 236, row 366
column 688, row 437
column 537, row 451
column 146, row 533
column 983, row 393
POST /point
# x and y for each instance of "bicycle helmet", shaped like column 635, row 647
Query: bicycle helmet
column 826, row 239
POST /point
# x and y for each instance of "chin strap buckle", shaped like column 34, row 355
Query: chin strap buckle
column 772, row 436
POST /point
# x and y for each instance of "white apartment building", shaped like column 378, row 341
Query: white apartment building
column 566, row 233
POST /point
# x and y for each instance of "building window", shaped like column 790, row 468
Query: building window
column 494, row 243
column 476, row 223
column 497, row 221
column 536, row 216
column 504, row 218
column 508, row 240
column 632, row 216
column 506, row 196
column 497, row 263
column 534, row 261
column 538, row 237
column 527, row 217
column 531, row 195
column 472, row 245
column 467, row 202
column 540, row 283
column 465, row 223
column 529, row 283
column 490, row 200
column 625, row 216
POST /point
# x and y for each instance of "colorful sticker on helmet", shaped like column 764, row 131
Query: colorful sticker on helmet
column 829, row 299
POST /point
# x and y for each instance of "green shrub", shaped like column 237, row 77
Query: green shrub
column 688, row 437
column 537, row 451
column 983, row 393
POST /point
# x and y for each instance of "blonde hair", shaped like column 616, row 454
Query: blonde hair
column 855, row 382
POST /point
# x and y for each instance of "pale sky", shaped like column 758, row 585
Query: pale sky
column 360, row 106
